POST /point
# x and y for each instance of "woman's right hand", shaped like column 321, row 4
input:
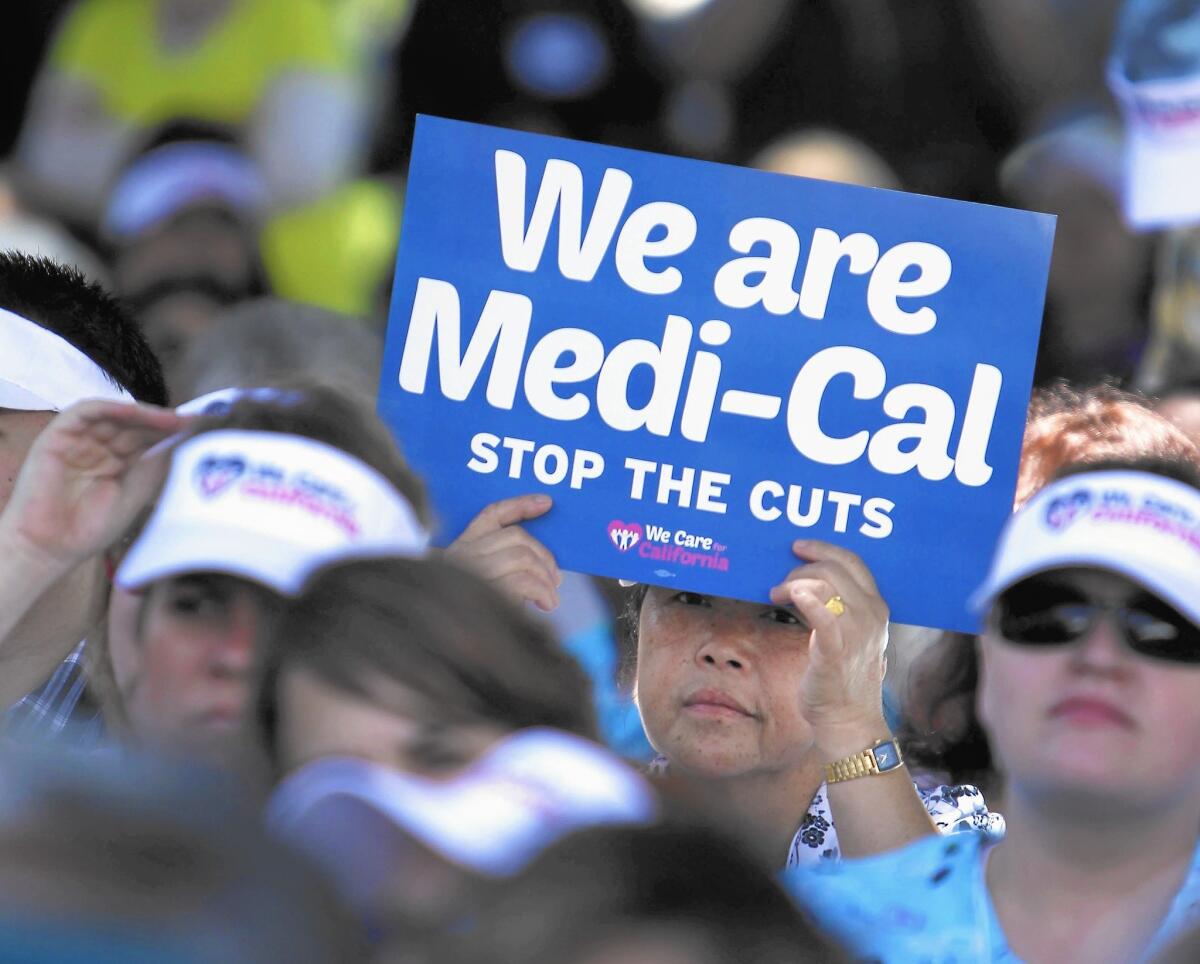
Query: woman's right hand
column 497, row 548
column 84, row 481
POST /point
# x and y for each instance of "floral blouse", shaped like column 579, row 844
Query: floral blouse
column 954, row 809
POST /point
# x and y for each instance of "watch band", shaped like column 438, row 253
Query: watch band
column 863, row 763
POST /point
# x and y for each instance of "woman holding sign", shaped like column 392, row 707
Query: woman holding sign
column 777, row 710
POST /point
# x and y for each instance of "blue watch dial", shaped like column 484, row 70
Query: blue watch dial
column 887, row 757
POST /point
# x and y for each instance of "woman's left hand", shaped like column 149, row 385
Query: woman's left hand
column 842, row 690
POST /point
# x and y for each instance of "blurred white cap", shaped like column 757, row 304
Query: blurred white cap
column 523, row 794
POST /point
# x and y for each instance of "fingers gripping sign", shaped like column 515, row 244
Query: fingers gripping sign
column 495, row 546
column 842, row 689
column 85, row 479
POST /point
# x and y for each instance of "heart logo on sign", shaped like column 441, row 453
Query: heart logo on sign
column 215, row 473
column 624, row 535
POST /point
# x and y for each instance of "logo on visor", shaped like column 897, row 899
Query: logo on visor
column 215, row 473
column 624, row 535
column 279, row 485
column 1064, row 510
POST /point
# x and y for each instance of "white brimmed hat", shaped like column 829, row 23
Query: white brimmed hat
column 268, row 507
column 1155, row 74
column 1142, row 526
column 523, row 794
column 43, row 372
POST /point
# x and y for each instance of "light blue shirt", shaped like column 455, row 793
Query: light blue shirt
column 585, row 626
column 928, row 903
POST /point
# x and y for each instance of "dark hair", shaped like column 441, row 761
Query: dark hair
column 60, row 299
column 449, row 637
column 613, row 883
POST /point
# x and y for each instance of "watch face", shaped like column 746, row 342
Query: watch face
column 886, row 756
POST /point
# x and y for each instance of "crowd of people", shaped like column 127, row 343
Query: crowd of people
column 250, row 712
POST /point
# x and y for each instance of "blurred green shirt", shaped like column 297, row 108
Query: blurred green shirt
column 115, row 46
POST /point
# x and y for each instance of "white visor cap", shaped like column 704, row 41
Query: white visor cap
column 271, row 508
column 523, row 794
column 43, row 372
column 1142, row 526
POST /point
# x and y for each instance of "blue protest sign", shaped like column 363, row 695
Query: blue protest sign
column 702, row 363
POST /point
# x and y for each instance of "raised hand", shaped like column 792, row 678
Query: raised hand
column 842, row 690
column 497, row 548
column 84, row 481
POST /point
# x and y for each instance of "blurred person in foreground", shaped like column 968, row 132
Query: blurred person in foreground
column 1066, row 426
column 1090, row 694
column 674, row 893
column 428, row 734
column 63, row 340
column 129, row 861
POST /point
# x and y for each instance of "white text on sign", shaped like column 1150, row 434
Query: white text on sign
column 684, row 486
column 574, row 356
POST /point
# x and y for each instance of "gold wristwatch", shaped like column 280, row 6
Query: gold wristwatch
column 880, row 758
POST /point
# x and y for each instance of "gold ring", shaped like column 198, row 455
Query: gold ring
column 836, row 605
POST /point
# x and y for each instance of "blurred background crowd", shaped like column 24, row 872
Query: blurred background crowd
column 233, row 171
column 207, row 151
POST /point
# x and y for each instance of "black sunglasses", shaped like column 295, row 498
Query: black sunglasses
column 1041, row 612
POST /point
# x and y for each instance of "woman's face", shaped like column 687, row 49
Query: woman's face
column 1091, row 718
column 186, row 682
column 718, row 683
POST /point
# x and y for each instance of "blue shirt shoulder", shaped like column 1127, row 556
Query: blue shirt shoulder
column 928, row 902
column 925, row 902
